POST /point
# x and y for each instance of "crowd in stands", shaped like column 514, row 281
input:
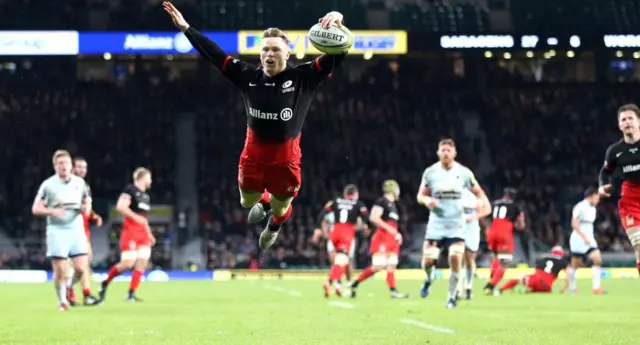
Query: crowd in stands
column 365, row 125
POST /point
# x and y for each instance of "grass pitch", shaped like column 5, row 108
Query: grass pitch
column 282, row 312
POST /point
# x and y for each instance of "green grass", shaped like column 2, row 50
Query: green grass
column 295, row 312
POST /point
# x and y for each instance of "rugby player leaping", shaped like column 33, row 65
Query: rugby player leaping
column 276, row 99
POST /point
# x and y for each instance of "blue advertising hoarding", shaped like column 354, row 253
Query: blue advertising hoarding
column 149, row 42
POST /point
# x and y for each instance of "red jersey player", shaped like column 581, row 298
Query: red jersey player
column 80, row 168
column 625, row 155
column 547, row 269
column 506, row 216
column 386, row 240
column 344, row 213
column 136, row 238
column 276, row 99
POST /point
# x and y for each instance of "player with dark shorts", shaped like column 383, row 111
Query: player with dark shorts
column 386, row 240
column 344, row 213
column 506, row 216
column 276, row 99
column 547, row 270
column 625, row 155
column 136, row 238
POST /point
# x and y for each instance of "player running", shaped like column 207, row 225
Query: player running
column 583, row 243
column 276, row 99
column 326, row 221
column 136, row 238
column 625, row 155
column 88, row 216
column 344, row 214
column 506, row 216
column 386, row 240
column 474, row 210
column 61, row 198
column 546, row 273
column 441, row 192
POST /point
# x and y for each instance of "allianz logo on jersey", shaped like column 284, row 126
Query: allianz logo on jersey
column 179, row 42
column 630, row 168
column 285, row 114
column 143, row 206
column 394, row 215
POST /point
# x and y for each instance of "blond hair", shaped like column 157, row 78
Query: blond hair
column 391, row 186
column 447, row 141
column 59, row 154
column 275, row 32
column 140, row 173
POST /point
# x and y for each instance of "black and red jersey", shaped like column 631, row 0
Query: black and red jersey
column 275, row 106
column 346, row 212
column 625, row 158
column 504, row 214
column 140, row 204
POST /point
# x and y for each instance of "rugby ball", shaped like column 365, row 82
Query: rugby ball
column 334, row 40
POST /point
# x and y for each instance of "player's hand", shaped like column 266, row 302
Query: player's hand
column 98, row 221
column 176, row 16
column 331, row 18
column 58, row 212
column 152, row 239
column 469, row 219
column 399, row 238
column 605, row 190
column 586, row 241
column 317, row 235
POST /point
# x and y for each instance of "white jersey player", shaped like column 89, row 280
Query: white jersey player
column 474, row 210
column 582, row 242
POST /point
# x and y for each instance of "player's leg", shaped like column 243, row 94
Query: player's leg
column 510, row 284
column 252, row 192
column 504, row 249
column 596, row 270
column 78, row 254
column 577, row 261
column 58, row 252
column 378, row 251
column 128, row 257
column 352, row 256
column 472, row 243
column 634, row 236
column 430, row 255
column 142, row 262
column 392, row 264
column 340, row 260
column 456, row 251
column 281, row 210
column 71, row 280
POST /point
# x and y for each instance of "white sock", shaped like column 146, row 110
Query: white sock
column 595, row 270
column 61, row 291
column 572, row 278
column 470, row 273
column 453, row 284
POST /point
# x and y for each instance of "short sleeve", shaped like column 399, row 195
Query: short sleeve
column 425, row 178
column 42, row 192
column 610, row 159
column 362, row 208
column 577, row 211
column 470, row 180
column 129, row 192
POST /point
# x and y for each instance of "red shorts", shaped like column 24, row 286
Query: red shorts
column 277, row 178
column 341, row 241
column 539, row 281
column 134, row 239
column 383, row 243
column 500, row 240
column 629, row 211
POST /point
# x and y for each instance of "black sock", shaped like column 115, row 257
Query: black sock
column 274, row 227
column 355, row 284
column 393, row 290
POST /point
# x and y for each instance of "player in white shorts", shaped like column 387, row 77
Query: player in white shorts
column 474, row 210
column 583, row 243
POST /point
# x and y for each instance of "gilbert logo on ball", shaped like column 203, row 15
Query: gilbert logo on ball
column 333, row 40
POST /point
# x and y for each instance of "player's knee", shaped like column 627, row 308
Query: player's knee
column 378, row 262
column 126, row 262
column 280, row 205
column 341, row 259
column 249, row 198
column 456, row 250
column 431, row 253
column 392, row 262
column 505, row 259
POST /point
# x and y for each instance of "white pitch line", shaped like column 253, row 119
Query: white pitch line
column 342, row 305
column 426, row 326
column 285, row 291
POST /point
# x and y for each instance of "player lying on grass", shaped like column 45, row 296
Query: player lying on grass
column 547, row 269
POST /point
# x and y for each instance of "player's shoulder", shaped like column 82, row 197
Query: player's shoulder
column 382, row 201
column 432, row 168
column 463, row 168
column 329, row 203
column 79, row 180
column 620, row 144
column 130, row 189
